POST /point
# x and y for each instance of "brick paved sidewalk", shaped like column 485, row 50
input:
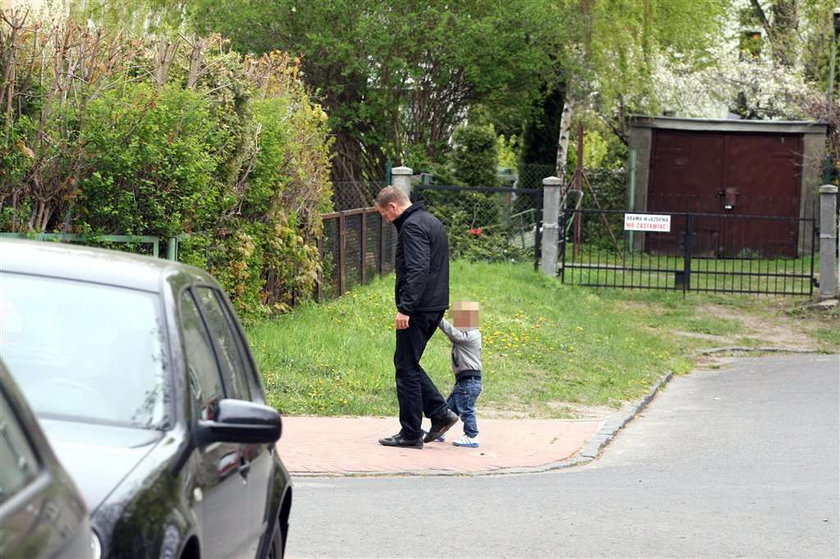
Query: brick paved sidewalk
column 348, row 446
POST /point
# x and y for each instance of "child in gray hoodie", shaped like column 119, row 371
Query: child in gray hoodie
column 466, row 365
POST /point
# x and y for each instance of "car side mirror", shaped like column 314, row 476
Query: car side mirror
column 240, row 421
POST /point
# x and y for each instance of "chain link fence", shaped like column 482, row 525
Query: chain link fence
column 351, row 195
column 487, row 224
column 531, row 175
column 483, row 223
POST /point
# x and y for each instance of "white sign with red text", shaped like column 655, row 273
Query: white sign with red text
column 647, row 222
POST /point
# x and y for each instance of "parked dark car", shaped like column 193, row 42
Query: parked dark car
column 42, row 513
column 142, row 378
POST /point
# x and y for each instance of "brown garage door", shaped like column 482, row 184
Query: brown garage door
column 727, row 174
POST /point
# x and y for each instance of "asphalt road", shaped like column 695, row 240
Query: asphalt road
column 738, row 462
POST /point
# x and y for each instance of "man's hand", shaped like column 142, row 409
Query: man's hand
column 401, row 321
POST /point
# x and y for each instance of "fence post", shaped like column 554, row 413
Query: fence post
column 320, row 279
column 631, row 193
column 342, row 282
column 688, row 244
column 401, row 178
column 828, row 242
column 172, row 248
column 363, row 243
column 551, row 229
column 538, row 233
column 380, row 264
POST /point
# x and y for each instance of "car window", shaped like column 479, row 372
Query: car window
column 18, row 464
column 86, row 351
column 231, row 360
column 202, row 370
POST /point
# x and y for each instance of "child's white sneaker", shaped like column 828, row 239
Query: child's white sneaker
column 466, row 441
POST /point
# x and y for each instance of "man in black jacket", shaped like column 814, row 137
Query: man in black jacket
column 422, row 295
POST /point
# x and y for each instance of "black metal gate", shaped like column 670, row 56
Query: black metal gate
column 677, row 251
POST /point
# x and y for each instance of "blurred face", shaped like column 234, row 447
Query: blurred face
column 389, row 212
column 465, row 315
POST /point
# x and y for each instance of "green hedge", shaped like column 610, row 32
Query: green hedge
column 141, row 140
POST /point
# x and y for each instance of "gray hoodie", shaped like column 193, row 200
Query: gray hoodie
column 466, row 349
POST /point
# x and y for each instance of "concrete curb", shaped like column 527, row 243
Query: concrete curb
column 587, row 453
column 595, row 445
column 593, row 448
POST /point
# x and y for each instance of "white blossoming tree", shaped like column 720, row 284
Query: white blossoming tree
column 770, row 64
column 729, row 83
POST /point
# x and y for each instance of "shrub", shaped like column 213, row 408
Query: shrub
column 164, row 136
column 475, row 157
column 154, row 153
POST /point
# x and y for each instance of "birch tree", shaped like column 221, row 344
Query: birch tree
column 614, row 52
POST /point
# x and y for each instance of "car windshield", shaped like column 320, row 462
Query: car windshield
column 83, row 351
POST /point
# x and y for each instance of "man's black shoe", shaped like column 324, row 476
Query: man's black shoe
column 399, row 440
column 441, row 426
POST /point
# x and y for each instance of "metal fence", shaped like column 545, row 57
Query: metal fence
column 531, row 175
column 482, row 224
column 699, row 252
column 487, row 223
column 351, row 195
column 357, row 245
column 139, row 244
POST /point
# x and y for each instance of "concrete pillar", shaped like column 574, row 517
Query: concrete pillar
column 829, row 270
column 551, row 227
column 401, row 178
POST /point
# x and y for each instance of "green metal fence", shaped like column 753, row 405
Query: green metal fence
column 153, row 243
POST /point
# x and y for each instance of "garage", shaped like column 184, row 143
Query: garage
column 727, row 168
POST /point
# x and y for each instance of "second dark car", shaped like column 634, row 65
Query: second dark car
column 142, row 378
column 42, row 513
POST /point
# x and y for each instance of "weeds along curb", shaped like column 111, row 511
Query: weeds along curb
column 714, row 350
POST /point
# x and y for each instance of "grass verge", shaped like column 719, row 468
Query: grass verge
column 550, row 351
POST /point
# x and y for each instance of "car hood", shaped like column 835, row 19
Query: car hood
column 98, row 457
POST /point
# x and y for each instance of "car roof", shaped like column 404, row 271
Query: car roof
column 95, row 265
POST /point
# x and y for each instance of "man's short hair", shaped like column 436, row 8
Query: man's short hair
column 391, row 194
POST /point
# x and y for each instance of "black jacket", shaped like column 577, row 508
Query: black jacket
column 422, row 262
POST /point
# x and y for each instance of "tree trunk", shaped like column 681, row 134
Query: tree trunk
column 781, row 32
column 563, row 139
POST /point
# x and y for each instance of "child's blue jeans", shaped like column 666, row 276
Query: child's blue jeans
column 462, row 401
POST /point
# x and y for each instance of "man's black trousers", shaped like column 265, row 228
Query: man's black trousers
column 416, row 392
